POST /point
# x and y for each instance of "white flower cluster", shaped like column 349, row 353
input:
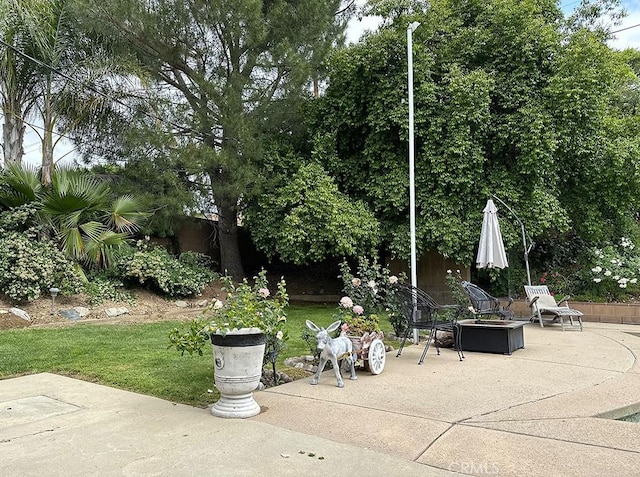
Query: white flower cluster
column 622, row 270
column 626, row 243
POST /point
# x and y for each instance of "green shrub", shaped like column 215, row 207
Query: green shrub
column 454, row 283
column 19, row 219
column 369, row 291
column 615, row 273
column 101, row 288
column 28, row 268
column 162, row 272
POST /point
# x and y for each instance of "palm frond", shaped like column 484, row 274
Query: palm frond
column 75, row 197
column 126, row 214
column 93, row 231
column 103, row 250
column 72, row 243
column 19, row 185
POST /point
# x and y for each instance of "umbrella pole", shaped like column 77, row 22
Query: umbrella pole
column 527, row 249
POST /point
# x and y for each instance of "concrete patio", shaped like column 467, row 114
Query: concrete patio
column 537, row 412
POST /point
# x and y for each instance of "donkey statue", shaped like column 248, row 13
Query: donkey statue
column 332, row 350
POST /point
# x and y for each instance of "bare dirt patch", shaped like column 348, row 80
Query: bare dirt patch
column 319, row 281
column 148, row 306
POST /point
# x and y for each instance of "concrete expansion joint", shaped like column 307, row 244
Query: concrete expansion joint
column 549, row 361
column 624, row 345
column 428, row 446
column 26, row 436
column 568, row 441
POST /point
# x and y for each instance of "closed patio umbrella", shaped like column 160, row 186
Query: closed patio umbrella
column 491, row 252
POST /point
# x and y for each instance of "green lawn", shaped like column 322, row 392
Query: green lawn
column 134, row 357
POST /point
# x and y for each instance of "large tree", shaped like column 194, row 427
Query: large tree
column 224, row 65
column 18, row 80
column 53, row 77
column 493, row 85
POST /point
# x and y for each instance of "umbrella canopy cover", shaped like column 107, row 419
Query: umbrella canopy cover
column 491, row 252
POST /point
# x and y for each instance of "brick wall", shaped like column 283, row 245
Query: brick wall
column 622, row 313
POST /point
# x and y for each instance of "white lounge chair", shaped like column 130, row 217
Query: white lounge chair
column 542, row 302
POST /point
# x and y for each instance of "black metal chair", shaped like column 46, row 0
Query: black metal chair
column 484, row 304
column 423, row 313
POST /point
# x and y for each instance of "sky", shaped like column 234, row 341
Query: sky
column 629, row 37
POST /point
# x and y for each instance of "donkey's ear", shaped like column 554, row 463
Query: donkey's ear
column 312, row 326
column 333, row 326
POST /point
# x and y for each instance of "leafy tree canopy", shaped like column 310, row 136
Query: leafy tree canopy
column 508, row 100
column 307, row 219
column 222, row 66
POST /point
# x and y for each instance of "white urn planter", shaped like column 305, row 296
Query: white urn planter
column 237, row 359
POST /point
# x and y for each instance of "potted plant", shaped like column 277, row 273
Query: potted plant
column 246, row 328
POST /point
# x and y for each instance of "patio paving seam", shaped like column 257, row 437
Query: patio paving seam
column 524, row 403
column 551, row 438
column 32, row 434
column 426, row 449
column 366, row 408
column 596, row 368
column 619, row 342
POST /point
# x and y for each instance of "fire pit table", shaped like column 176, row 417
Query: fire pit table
column 491, row 336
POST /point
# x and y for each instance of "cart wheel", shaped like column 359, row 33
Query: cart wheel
column 376, row 358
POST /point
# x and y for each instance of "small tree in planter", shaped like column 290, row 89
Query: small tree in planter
column 249, row 318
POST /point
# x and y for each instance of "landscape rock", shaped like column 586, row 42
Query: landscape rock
column 81, row 310
column 113, row 312
column 202, row 303
column 301, row 362
column 20, row 313
column 71, row 314
column 9, row 320
column 444, row 339
column 181, row 304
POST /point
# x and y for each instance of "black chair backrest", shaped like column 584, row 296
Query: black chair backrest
column 479, row 298
column 415, row 300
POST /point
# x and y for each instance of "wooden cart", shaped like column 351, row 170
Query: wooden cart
column 370, row 350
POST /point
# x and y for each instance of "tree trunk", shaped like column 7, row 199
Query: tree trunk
column 230, row 260
column 12, row 138
column 47, row 140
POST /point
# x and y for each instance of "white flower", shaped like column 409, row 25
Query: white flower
column 217, row 305
column 597, row 280
column 623, row 280
column 596, row 269
column 633, row 280
column 607, row 273
column 393, row 279
column 346, row 302
column 264, row 292
column 372, row 285
column 279, row 335
column 356, row 282
column 616, row 277
column 448, row 272
column 622, row 285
